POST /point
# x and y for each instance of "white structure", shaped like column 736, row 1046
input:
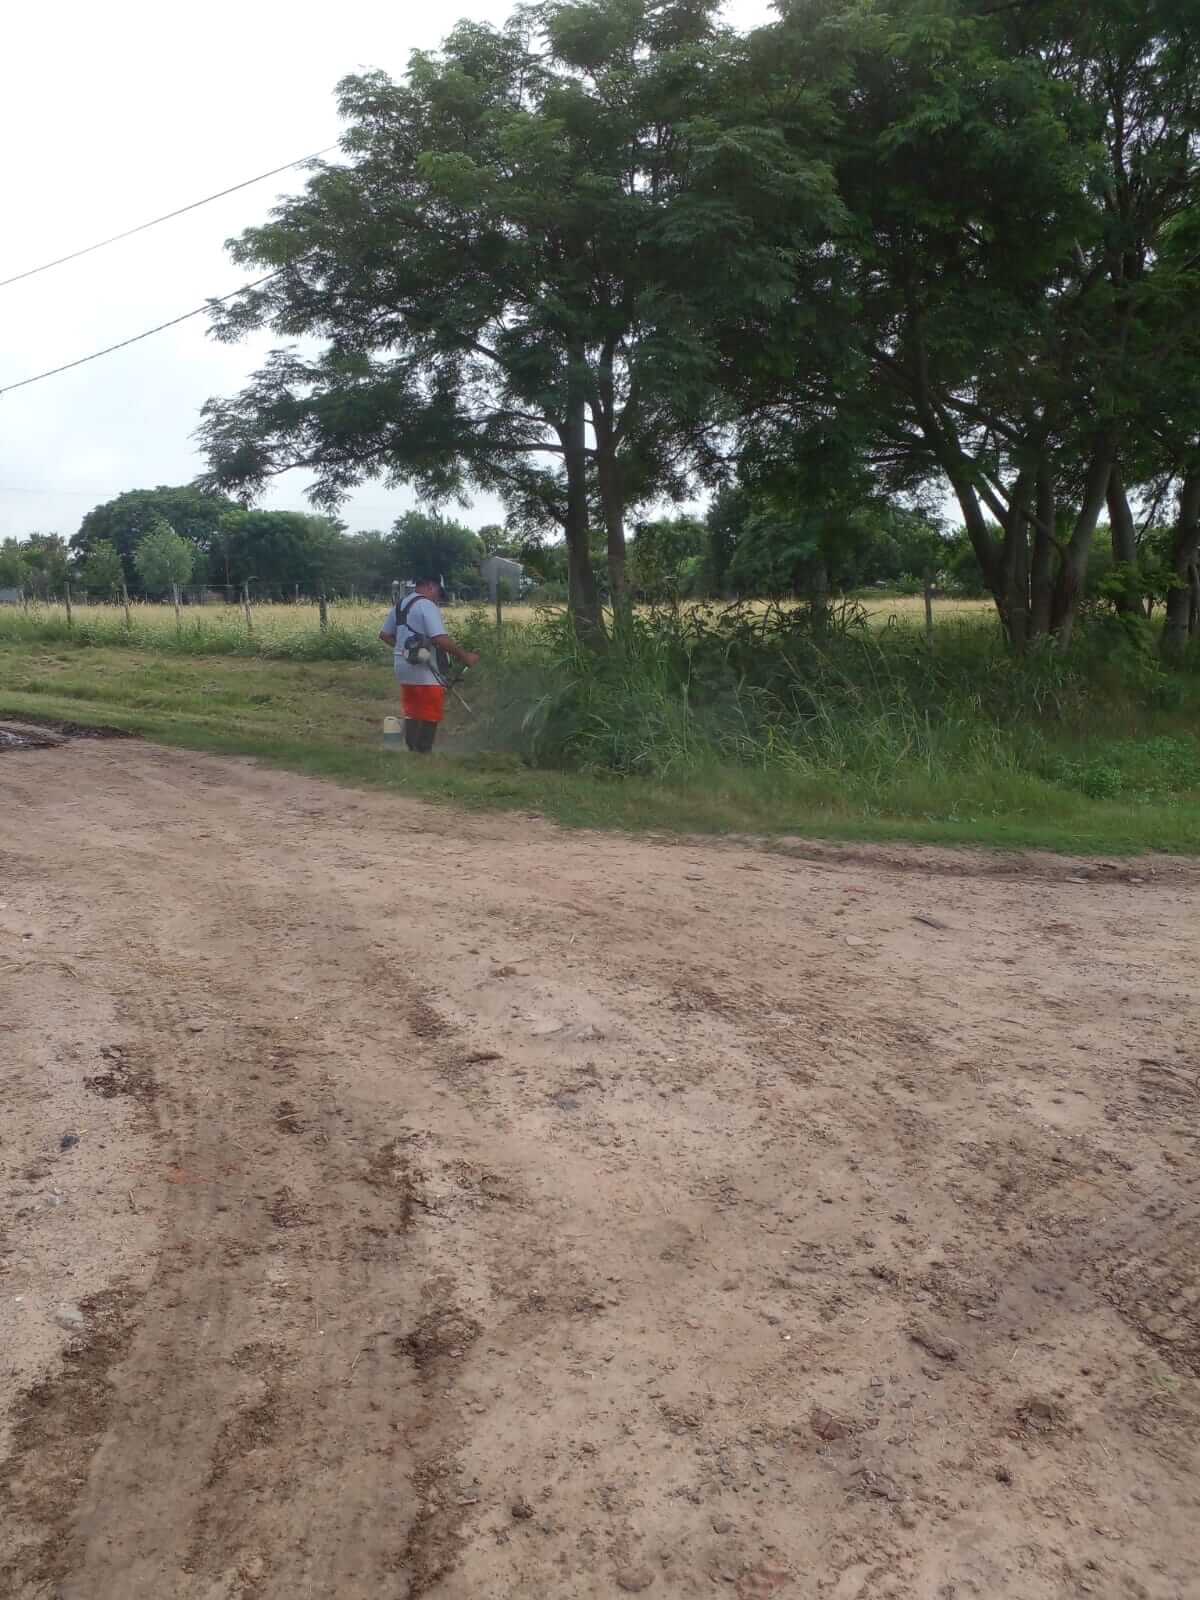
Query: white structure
column 497, row 570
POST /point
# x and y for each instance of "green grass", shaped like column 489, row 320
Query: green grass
column 291, row 632
column 892, row 743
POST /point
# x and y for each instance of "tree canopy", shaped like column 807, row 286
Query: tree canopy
column 516, row 271
column 614, row 251
column 163, row 559
column 124, row 521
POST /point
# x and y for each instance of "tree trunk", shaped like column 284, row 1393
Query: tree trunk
column 1014, row 564
column 608, row 480
column 1185, row 546
column 1128, row 600
column 1073, row 568
column 1041, row 566
column 583, row 599
column 987, row 552
column 818, row 596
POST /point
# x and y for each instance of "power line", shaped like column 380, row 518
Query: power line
column 162, row 326
column 32, row 272
column 17, row 488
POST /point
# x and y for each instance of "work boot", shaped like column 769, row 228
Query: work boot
column 412, row 734
column 427, row 734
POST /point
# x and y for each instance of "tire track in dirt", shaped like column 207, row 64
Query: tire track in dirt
column 547, row 1214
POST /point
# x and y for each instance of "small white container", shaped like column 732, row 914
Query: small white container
column 393, row 733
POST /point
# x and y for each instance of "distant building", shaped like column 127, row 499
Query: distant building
column 497, row 570
column 10, row 597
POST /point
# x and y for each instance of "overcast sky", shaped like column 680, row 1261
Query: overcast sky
column 112, row 115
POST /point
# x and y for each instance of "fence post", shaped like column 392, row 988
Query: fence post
column 125, row 603
column 323, row 610
column 246, row 607
column 499, row 606
column 67, row 593
column 24, row 599
column 929, row 606
column 175, row 599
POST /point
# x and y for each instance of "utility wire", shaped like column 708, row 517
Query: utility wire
column 32, row 272
column 174, row 322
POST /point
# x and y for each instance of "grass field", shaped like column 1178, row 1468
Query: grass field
column 292, row 630
column 1117, row 777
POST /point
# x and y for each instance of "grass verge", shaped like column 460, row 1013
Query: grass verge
column 1088, row 795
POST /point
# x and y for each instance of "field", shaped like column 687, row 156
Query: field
column 276, row 628
column 408, row 1203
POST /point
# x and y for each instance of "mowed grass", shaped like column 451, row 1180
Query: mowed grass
column 324, row 717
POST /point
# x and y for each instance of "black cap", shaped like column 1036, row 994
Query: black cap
column 430, row 579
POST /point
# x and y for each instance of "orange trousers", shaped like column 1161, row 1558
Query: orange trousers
column 423, row 702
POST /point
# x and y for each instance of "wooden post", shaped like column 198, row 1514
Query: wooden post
column 929, row 606
column 246, row 607
column 175, row 598
column 24, row 599
column 125, row 603
column 67, row 592
column 499, row 606
column 323, row 611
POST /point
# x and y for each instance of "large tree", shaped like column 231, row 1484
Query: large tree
column 48, row 563
column 277, row 551
column 515, row 273
column 1009, row 174
column 424, row 545
column 124, row 521
column 164, row 559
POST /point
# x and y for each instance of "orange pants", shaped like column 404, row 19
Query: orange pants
column 423, row 702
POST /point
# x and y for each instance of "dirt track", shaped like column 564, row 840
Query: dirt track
column 464, row 1208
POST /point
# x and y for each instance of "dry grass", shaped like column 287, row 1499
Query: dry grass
column 363, row 618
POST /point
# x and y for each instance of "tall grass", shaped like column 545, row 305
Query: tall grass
column 685, row 696
column 855, row 717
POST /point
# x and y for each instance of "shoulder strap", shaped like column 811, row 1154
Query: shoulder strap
column 402, row 612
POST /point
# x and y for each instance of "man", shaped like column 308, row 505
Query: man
column 414, row 626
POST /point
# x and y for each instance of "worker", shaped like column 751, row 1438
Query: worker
column 415, row 630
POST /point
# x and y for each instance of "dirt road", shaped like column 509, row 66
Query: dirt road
column 400, row 1203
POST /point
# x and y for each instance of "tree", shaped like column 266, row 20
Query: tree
column 48, row 562
column 103, row 570
column 364, row 561
column 14, row 568
column 1010, row 174
column 278, row 550
column 514, row 273
column 495, row 540
column 426, row 545
column 125, row 521
column 163, row 560
column 666, row 556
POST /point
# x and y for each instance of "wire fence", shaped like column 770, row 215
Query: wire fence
column 221, row 594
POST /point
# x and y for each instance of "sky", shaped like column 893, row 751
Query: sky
column 115, row 114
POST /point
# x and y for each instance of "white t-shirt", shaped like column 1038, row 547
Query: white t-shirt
column 426, row 619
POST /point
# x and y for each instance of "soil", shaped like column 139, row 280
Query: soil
column 402, row 1203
